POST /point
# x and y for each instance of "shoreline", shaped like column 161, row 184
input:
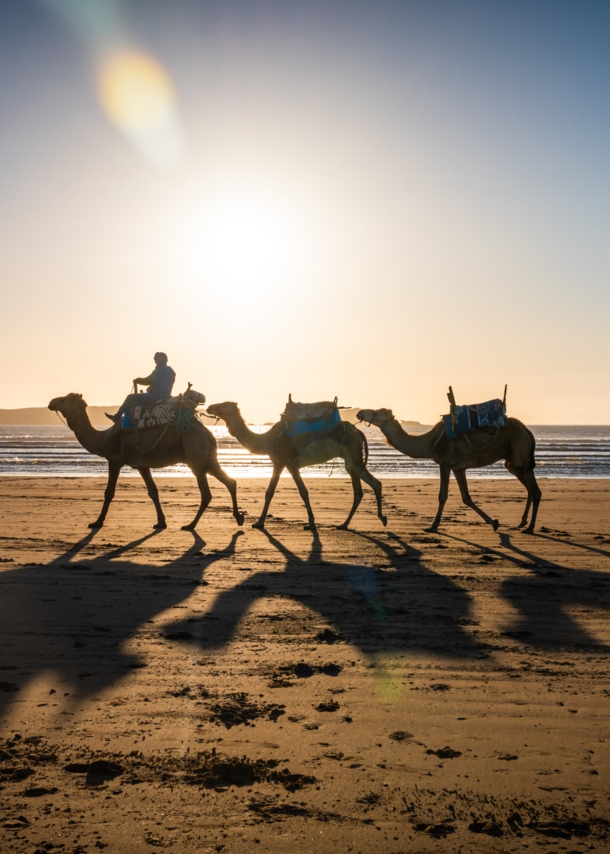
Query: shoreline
column 572, row 453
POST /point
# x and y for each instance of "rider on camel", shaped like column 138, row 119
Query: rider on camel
column 160, row 384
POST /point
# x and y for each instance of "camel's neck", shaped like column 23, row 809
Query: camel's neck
column 419, row 447
column 256, row 443
column 91, row 439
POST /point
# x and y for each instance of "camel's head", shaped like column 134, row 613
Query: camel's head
column 378, row 417
column 70, row 403
column 223, row 410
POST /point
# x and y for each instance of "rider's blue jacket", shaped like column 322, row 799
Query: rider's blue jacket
column 161, row 382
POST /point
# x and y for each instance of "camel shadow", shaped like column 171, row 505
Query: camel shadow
column 543, row 597
column 404, row 607
column 70, row 621
column 567, row 542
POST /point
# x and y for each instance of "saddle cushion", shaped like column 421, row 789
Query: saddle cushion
column 299, row 419
column 489, row 414
column 151, row 414
column 156, row 413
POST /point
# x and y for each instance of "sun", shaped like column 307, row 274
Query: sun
column 246, row 242
column 240, row 244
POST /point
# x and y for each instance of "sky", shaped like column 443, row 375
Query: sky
column 369, row 200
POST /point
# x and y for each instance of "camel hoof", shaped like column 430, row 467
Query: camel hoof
column 431, row 530
column 342, row 527
column 190, row 527
column 95, row 525
column 240, row 519
column 159, row 526
column 384, row 520
column 310, row 527
column 259, row 525
column 495, row 524
column 528, row 531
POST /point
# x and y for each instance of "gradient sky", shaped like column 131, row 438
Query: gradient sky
column 365, row 199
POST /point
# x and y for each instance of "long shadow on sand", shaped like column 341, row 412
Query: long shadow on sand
column 403, row 607
column 542, row 598
column 572, row 543
column 72, row 619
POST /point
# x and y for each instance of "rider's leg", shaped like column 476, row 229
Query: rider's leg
column 129, row 401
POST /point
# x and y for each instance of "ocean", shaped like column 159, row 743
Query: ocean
column 53, row 451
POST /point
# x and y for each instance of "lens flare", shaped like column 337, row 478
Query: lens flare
column 133, row 87
column 138, row 97
column 388, row 681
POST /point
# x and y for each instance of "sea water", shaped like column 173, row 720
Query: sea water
column 53, row 451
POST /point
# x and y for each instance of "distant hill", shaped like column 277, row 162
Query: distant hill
column 414, row 426
column 351, row 415
column 41, row 416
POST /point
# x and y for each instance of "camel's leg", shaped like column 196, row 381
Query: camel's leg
column 442, row 498
column 278, row 468
column 231, row 485
column 296, row 476
column 375, row 485
column 206, row 497
column 518, row 473
column 460, row 476
column 534, row 492
column 357, row 487
column 114, row 469
column 528, row 479
column 151, row 486
column 528, row 504
column 357, row 473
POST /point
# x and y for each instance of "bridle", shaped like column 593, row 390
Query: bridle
column 65, row 423
column 371, row 423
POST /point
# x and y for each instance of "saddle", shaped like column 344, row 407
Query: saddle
column 464, row 419
column 302, row 420
column 169, row 410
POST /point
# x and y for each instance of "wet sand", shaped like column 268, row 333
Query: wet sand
column 367, row 690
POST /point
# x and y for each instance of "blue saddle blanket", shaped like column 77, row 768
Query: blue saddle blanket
column 465, row 418
column 301, row 419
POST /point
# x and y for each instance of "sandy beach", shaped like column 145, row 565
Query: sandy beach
column 378, row 689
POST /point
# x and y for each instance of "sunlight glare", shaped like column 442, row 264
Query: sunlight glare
column 241, row 244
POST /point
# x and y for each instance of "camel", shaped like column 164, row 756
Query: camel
column 347, row 442
column 514, row 444
column 196, row 448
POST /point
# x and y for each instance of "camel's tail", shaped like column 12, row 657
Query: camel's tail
column 365, row 449
column 532, row 459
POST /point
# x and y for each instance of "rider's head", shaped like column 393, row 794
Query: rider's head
column 160, row 359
